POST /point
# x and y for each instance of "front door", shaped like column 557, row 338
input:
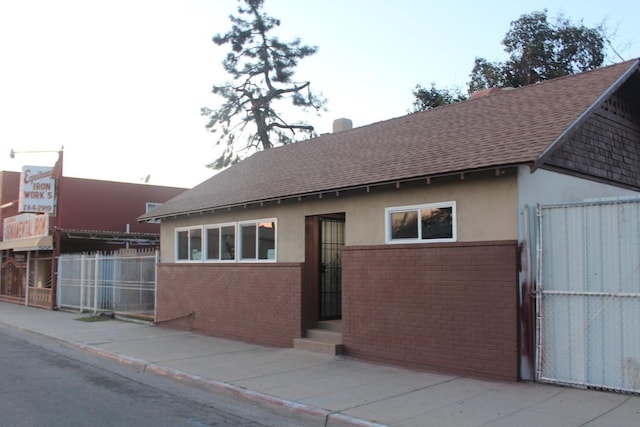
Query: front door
column 331, row 243
column 13, row 271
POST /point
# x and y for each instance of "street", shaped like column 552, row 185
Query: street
column 45, row 384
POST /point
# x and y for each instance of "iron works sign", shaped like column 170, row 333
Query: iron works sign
column 25, row 226
column 37, row 190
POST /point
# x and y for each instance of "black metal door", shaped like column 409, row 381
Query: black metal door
column 331, row 243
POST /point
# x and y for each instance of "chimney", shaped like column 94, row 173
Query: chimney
column 340, row 125
column 485, row 92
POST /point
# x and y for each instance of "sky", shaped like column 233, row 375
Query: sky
column 119, row 84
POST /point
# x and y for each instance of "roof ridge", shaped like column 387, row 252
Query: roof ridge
column 582, row 73
column 556, row 80
column 512, row 127
column 502, row 92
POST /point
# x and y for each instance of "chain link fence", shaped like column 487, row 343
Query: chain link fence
column 588, row 295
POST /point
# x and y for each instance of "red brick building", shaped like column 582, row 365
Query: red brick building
column 85, row 215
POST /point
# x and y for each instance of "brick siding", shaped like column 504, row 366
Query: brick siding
column 444, row 307
column 257, row 303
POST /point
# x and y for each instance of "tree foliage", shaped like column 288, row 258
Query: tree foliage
column 262, row 69
column 541, row 50
column 537, row 50
column 426, row 99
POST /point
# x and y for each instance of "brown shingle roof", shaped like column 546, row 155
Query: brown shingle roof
column 511, row 127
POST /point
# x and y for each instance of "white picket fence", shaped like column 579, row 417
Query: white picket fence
column 114, row 283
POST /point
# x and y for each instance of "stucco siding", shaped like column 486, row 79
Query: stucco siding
column 547, row 187
column 486, row 210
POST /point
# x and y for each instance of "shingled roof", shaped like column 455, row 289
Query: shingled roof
column 507, row 128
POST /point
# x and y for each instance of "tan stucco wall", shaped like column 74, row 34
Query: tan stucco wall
column 486, row 210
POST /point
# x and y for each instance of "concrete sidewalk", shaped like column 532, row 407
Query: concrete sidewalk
column 338, row 390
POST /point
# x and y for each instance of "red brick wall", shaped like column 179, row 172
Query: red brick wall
column 258, row 303
column 444, row 307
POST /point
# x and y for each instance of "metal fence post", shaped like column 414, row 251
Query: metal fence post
column 95, row 283
column 155, row 285
column 115, row 282
column 82, row 280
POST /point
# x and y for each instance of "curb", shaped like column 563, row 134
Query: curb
column 330, row 418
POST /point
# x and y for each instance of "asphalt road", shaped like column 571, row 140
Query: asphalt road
column 45, row 384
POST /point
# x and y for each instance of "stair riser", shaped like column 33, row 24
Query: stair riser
column 324, row 336
column 330, row 325
column 316, row 346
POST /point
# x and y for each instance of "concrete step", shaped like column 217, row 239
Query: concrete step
column 330, row 325
column 324, row 335
column 327, row 338
column 315, row 346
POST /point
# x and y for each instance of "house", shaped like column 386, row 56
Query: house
column 410, row 230
column 51, row 214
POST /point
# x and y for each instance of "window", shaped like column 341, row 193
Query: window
column 149, row 206
column 189, row 244
column 221, row 242
column 421, row 223
column 257, row 240
column 230, row 242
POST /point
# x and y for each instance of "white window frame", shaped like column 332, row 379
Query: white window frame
column 189, row 249
column 239, row 239
column 148, row 207
column 417, row 209
column 206, row 242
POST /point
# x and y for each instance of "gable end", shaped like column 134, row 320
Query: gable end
column 606, row 146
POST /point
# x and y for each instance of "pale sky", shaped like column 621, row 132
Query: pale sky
column 120, row 83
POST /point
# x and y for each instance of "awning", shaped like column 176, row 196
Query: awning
column 33, row 244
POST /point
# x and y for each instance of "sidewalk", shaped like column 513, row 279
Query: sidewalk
column 338, row 390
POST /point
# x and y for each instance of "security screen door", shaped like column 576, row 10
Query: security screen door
column 331, row 243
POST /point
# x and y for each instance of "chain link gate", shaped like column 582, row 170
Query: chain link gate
column 100, row 282
column 588, row 295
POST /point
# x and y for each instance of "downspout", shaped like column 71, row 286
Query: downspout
column 526, row 312
column 538, row 293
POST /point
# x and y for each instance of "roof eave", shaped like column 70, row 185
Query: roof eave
column 427, row 178
column 112, row 236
